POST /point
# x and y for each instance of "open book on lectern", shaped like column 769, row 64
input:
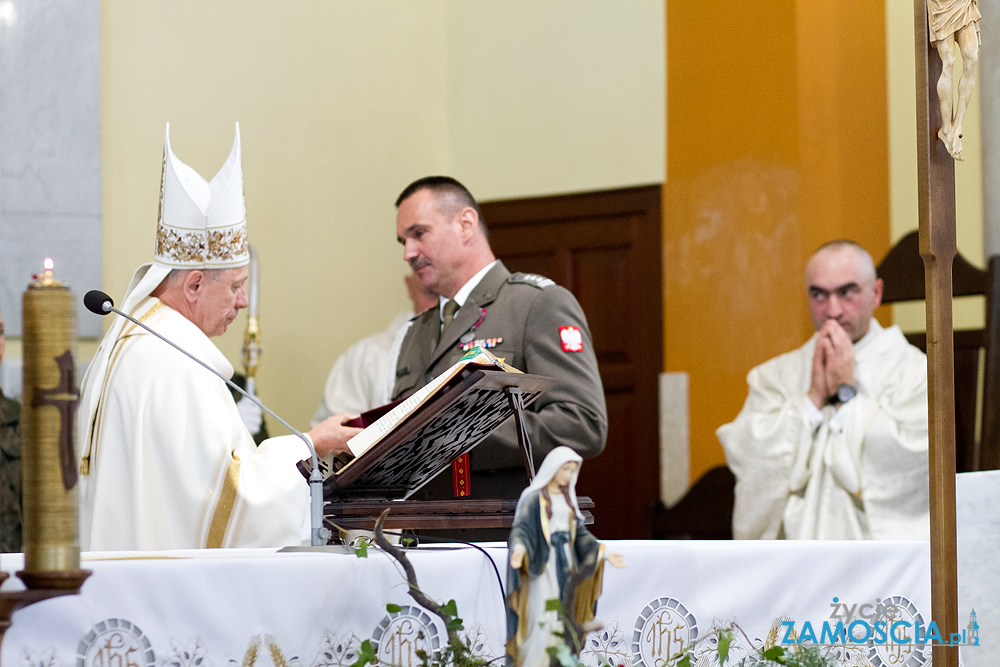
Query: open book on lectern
column 418, row 437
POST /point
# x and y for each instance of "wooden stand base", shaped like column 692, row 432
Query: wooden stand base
column 47, row 585
column 432, row 514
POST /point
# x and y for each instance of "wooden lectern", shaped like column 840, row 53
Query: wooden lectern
column 453, row 421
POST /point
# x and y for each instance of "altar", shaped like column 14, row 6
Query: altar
column 216, row 608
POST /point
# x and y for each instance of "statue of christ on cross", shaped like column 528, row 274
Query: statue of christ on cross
column 954, row 23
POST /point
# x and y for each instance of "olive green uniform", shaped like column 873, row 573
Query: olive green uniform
column 10, row 475
column 520, row 319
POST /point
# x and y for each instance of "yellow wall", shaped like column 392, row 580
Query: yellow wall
column 901, row 81
column 769, row 155
column 556, row 96
column 341, row 104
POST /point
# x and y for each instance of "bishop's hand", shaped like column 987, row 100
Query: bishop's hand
column 330, row 436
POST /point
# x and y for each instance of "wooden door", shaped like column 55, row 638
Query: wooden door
column 605, row 248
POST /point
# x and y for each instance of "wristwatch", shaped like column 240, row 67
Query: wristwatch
column 844, row 393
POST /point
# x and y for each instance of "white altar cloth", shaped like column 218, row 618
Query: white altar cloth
column 222, row 608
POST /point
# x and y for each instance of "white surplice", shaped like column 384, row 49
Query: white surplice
column 171, row 465
column 362, row 377
column 857, row 471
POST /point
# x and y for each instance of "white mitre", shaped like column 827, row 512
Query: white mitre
column 201, row 225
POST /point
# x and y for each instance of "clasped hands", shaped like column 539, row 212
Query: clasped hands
column 832, row 364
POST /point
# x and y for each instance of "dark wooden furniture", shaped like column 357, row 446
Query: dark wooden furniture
column 704, row 513
column 977, row 351
column 604, row 246
column 421, row 515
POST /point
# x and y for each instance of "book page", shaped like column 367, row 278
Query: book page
column 360, row 443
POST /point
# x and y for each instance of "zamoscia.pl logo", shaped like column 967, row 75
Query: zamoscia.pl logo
column 891, row 622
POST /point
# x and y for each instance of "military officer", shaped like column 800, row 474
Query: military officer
column 533, row 324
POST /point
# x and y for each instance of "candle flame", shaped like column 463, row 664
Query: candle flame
column 48, row 264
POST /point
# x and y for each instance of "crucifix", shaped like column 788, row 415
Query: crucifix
column 953, row 26
column 936, row 195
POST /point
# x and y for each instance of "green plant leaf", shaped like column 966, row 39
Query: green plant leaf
column 685, row 661
column 725, row 639
column 455, row 624
column 366, row 655
column 393, row 608
column 361, row 551
column 451, row 609
column 553, row 605
column 776, row 654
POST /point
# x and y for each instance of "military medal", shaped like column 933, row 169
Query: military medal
column 485, row 343
column 471, row 333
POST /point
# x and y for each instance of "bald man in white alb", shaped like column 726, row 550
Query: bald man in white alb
column 832, row 440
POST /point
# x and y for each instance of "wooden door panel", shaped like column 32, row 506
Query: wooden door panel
column 605, row 248
column 534, row 262
column 602, row 288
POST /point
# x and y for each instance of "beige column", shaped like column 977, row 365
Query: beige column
column 989, row 101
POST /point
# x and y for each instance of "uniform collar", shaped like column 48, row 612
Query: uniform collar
column 463, row 294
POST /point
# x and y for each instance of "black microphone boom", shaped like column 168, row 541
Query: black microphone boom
column 100, row 303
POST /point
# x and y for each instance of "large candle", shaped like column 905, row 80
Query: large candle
column 48, row 428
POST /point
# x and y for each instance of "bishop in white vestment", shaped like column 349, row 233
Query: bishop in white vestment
column 832, row 440
column 166, row 461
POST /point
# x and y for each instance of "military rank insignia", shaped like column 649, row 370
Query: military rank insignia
column 571, row 338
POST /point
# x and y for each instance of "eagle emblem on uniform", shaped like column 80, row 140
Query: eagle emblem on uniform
column 571, row 338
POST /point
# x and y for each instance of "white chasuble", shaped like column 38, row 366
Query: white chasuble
column 167, row 461
column 857, row 471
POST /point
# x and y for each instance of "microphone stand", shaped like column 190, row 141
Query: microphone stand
column 318, row 532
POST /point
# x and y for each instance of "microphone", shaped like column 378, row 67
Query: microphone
column 100, row 303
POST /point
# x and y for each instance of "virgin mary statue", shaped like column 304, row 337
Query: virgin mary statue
column 547, row 543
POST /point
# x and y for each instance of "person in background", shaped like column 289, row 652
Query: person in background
column 832, row 440
column 10, row 467
column 361, row 378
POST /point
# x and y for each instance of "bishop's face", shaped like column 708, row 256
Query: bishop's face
column 220, row 298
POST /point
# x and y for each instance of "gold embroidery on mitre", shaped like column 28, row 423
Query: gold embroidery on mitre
column 188, row 247
column 196, row 247
column 163, row 181
column 227, row 244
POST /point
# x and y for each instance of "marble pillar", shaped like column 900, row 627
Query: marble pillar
column 50, row 150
